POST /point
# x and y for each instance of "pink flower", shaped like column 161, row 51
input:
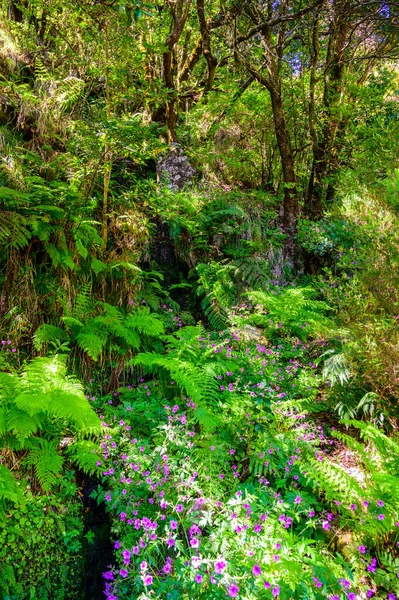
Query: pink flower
column 233, row 591
column 276, row 591
column 194, row 543
column 256, row 571
column 148, row 580
column 220, row 565
column 123, row 573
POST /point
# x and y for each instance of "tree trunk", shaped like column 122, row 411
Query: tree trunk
column 288, row 167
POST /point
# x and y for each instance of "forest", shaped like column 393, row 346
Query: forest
column 199, row 299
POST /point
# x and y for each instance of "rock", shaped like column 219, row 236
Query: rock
column 174, row 169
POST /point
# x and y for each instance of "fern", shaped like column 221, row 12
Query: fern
column 216, row 284
column 254, row 271
column 294, row 309
column 9, row 489
column 46, row 334
column 46, row 461
column 110, row 327
column 14, row 229
column 185, row 375
column 91, row 343
column 43, row 400
column 144, row 322
column 84, row 454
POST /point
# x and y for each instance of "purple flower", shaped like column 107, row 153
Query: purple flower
column 220, row 565
column 256, row 570
column 198, row 578
column 194, row 543
column 117, row 545
column 109, row 575
column 167, row 567
column 370, row 593
column 171, row 542
column 353, row 507
column 380, row 503
column 123, row 573
column 258, row 528
column 276, row 591
column 148, row 580
column 362, row 549
column 298, row 500
column 233, row 591
column 173, row 524
column 351, row 596
column 126, row 557
column 381, row 517
column 371, row 567
column 179, row 508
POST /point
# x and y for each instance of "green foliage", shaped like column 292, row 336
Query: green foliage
column 37, row 556
column 294, row 310
column 216, row 284
column 95, row 329
column 38, row 408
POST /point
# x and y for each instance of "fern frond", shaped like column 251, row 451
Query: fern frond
column 91, row 343
column 9, row 489
column 46, row 461
column 84, row 454
column 21, row 424
column 143, row 321
column 14, row 230
column 47, row 333
column 185, row 375
column 82, row 303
